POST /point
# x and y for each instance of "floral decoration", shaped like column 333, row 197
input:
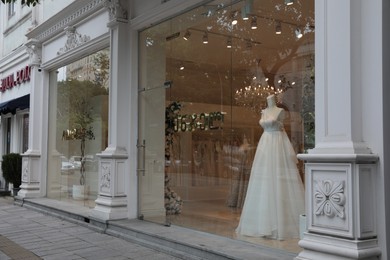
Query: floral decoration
column 170, row 114
column 330, row 198
column 173, row 202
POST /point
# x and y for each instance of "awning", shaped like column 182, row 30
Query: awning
column 17, row 103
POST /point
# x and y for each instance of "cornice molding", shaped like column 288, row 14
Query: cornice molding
column 68, row 17
column 14, row 58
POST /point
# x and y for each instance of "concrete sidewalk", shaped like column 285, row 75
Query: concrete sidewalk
column 28, row 234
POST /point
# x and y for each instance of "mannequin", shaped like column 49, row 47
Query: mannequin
column 272, row 108
column 275, row 195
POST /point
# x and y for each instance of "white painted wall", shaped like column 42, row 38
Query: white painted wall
column 48, row 8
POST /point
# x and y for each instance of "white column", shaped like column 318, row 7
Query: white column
column 341, row 171
column 338, row 78
column 31, row 161
column 112, row 200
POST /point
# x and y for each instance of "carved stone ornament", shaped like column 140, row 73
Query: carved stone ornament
column 330, row 198
column 105, row 179
column 34, row 51
column 116, row 10
column 25, row 171
column 74, row 39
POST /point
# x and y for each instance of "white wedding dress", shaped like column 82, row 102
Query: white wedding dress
column 275, row 195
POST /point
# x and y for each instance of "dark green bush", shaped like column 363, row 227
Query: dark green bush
column 12, row 168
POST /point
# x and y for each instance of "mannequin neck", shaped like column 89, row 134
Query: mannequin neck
column 271, row 101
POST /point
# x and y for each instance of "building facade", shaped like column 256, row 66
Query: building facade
column 151, row 109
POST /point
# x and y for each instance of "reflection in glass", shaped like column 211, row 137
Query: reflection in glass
column 78, row 119
column 212, row 108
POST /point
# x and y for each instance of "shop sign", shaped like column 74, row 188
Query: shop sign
column 203, row 121
column 15, row 79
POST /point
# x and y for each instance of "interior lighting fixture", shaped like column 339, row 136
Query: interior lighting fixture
column 246, row 9
column 187, row 35
column 298, row 33
column 205, row 38
column 181, row 66
column 254, row 95
column 254, row 23
column 288, row 2
column 229, row 43
column 278, row 28
column 234, row 18
column 244, row 14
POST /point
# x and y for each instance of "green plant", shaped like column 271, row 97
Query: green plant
column 12, row 168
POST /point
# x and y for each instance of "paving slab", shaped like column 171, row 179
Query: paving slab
column 26, row 234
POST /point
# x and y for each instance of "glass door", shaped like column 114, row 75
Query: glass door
column 151, row 158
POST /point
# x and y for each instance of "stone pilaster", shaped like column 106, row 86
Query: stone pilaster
column 112, row 200
column 341, row 171
column 31, row 161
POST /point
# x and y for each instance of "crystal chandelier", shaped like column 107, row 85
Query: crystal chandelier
column 254, row 95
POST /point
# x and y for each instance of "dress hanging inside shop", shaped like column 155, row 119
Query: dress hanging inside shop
column 275, row 195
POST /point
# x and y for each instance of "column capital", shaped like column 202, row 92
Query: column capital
column 117, row 13
column 34, row 49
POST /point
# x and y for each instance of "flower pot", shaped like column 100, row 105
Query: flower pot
column 80, row 192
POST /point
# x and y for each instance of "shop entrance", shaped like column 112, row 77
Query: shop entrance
column 205, row 77
column 151, row 157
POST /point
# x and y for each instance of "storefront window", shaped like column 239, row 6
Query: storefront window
column 78, row 125
column 206, row 79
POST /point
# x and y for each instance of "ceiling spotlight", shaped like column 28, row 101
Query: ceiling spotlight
column 244, row 13
column 246, row 9
column 205, row 38
column 229, row 43
column 288, row 2
column 187, row 35
column 278, row 28
column 234, row 18
column 298, row 33
column 254, row 23
column 181, row 67
column 210, row 13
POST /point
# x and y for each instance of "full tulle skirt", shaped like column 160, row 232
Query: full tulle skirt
column 275, row 195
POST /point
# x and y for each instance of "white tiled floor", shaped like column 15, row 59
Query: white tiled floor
column 213, row 217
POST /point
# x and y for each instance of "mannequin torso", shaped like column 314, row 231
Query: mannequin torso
column 272, row 115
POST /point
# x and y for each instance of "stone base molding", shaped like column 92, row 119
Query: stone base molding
column 31, row 186
column 340, row 207
column 112, row 200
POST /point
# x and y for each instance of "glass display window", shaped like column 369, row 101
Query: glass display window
column 78, row 128
column 226, row 103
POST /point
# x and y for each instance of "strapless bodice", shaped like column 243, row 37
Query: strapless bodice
column 271, row 125
column 271, row 122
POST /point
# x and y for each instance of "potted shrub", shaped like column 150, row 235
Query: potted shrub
column 12, row 170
